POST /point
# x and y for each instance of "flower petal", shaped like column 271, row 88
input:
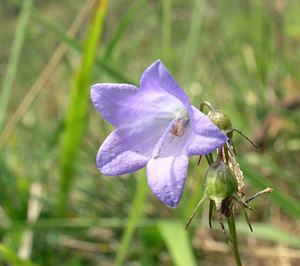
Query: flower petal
column 113, row 101
column 206, row 136
column 122, row 104
column 128, row 149
column 166, row 178
column 157, row 78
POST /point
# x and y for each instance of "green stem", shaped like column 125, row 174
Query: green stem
column 208, row 105
column 166, row 30
column 76, row 116
column 137, row 210
column 14, row 59
column 226, row 154
column 209, row 158
column 233, row 239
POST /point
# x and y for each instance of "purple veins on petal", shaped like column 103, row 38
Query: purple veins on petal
column 155, row 127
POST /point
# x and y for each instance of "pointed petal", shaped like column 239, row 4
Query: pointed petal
column 157, row 78
column 128, row 149
column 121, row 104
column 166, row 178
column 113, row 101
column 201, row 145
column 206, row 136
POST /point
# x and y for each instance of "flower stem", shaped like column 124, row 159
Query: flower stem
column 220, row 153
column 137, row 210
column 209, row 158
column 208, row 105
column 233, row 239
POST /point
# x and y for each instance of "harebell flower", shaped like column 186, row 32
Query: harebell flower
column 157, row 128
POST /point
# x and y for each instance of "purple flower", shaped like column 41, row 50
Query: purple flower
column 156, row 127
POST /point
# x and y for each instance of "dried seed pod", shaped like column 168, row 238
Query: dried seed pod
column 236, row 170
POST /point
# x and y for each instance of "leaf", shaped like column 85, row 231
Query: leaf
column 192, row 40
column 288, row 204
column 77, row 46
column 138, row 206
column 123, row 24
column 12, row 258
column 80, row 101
column 166, row 30
column 271, row 233
column 260, row 230
column 177, row 242
column 14, row 58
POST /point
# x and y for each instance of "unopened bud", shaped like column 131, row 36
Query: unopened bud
column 220, row 183
column 221, row 120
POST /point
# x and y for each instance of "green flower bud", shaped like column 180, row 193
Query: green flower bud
column 222, row 121
column 220, row 183
column 221, row 189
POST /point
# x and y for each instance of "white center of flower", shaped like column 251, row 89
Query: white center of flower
column 181, row 118
column 181, row 114
column 175, row 128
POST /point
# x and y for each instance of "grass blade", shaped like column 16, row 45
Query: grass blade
column 261, row 230
column 79, row 104
column 74, row 43
column 177, row 241
column 271, row 233
column 14, row 58
column 192, row 41
column 9, row 256
column 138, row 206
column 77, row 46
column 288, row 204
column 122, row 26
column 43, row 78
column 166, row 30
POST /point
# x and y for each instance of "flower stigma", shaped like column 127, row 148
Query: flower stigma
column 181, row 120
column 177, row 129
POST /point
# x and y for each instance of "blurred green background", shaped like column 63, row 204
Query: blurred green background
column 57, row 209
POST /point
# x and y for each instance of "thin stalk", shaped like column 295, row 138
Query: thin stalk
column 244, row 136
column 220, row 153
column 226, row 154
column 137, row 211
column 233, row 239
column 192, row 41
column 123, row 25
column 78, row 109
column 208, row 105
column 13, row 63
column 209, row 158
column 166, row 30
column 195, row 210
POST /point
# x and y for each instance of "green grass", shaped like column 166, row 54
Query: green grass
column 177, row 241
column 240, row 55
column 79, row 104
column 13, row 62
column 7, row 255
